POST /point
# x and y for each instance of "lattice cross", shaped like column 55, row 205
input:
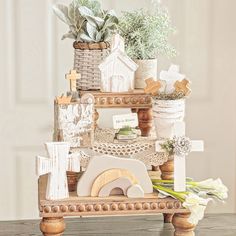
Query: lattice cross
column 182, row 147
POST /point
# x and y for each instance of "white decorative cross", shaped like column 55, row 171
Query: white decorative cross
column 182, row 147
column 170, row 77
column 117, row 42
column 56, row 166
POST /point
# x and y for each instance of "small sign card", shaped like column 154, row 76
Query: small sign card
column 121, row 121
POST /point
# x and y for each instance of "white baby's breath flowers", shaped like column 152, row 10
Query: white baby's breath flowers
column 196, row 205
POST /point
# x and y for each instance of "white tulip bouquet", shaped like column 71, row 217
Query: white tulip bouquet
column 197, row 194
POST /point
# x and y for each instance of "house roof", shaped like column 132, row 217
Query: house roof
column 117, row 53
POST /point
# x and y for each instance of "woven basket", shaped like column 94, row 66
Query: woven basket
column 87, row 57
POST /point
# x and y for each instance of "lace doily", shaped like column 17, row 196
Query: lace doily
column 142, row 149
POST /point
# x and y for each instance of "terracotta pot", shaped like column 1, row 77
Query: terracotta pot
column 165, row 114
column 146, row 69
column 72, row 179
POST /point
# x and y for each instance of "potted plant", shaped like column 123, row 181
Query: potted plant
column 90, row 27
column 146, row 36
column 168, row 100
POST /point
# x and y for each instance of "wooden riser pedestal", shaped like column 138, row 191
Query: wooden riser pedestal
column 53, row 212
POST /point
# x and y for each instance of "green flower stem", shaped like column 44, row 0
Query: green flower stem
column 180, row 196
column 160, row 181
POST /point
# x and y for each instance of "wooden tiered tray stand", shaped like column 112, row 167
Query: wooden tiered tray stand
column 53, row 212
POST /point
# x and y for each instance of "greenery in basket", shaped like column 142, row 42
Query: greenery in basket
column 87, row 21
column 171, row 96
column 146, row 33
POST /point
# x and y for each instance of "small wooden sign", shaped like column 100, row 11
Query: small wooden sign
column 121, row 121
column 74, row 122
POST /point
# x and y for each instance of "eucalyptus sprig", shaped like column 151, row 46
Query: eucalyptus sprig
column 87, row 21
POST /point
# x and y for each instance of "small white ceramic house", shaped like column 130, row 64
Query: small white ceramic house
column 117, row 70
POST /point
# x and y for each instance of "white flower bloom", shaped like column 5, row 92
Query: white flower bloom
column 214, row 187
column 163, row 194
column 196, row 205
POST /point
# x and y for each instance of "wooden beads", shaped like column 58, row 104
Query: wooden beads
column 105, row 100
column 108, row 207
column 122, row 206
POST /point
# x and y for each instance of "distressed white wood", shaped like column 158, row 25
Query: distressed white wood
column 135, row 191
column 73, row 162
column 179, row 173
column 73, row 122
column 117, row 70
column 56, row 166
column 122, row 183
column 179, row 160
column 100, row 164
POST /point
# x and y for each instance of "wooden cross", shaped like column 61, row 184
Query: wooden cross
column 73, row 76
column 182, row 148
column 183, row 87
column 62, row 100
column 56, row 166
column 152, row 86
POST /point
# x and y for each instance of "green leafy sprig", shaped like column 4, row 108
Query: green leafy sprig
column 87, row 21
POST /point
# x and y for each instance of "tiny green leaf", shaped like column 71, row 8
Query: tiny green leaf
column 92, row 31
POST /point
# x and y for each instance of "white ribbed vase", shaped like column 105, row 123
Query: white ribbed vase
column 165, row 114
column 146, row 69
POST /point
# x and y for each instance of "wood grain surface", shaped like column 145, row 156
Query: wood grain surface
column 212, row 225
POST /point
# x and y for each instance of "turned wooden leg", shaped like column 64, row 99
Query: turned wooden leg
column 182, row 226
column 167, row 173
column 168, row 217
column 52, row 226
column 95, row 118
column 167, row 170
column 155, row 168
column 134, row 110
column 145, row 121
